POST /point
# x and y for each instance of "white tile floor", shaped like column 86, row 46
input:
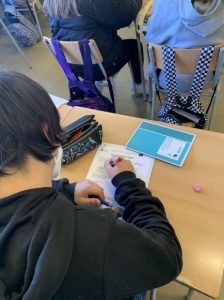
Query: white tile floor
column 46, row 71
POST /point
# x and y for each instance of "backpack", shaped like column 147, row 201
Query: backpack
column 84, row 92
column 24, row 31
column 178, row 109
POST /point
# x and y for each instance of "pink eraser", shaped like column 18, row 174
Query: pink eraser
column 197, row 188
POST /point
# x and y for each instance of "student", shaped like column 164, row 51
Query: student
column 53, row 248
column 186, row 24
column 73, row 20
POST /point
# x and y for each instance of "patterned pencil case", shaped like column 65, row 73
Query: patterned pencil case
column 81, row 136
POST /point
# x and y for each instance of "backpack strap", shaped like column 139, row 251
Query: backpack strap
column 87, row 60
column 88, row 67
column 74, row 82
column 170, row 71
column 201, row 71
column 170, row 74
column 189, row 104
column 63, row 62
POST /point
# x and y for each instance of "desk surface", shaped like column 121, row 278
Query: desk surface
column 198, row 218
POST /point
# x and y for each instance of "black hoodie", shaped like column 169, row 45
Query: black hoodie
column 52, row 249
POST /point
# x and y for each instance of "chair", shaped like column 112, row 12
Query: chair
column 186, row 62
column 73, row 56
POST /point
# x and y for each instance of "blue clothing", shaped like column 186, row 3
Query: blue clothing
column 177, row 24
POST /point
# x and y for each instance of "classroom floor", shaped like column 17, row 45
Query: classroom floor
column 46, row 71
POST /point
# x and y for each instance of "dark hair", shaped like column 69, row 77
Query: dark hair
column 29, row 122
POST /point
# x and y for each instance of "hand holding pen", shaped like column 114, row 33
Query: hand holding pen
column 89, row 193
column 115, row 160
column 117, row 165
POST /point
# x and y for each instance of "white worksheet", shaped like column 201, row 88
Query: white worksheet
column 142, row 164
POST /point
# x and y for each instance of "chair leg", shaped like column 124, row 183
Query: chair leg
column 153, row 294
column 113, row 82
column 150, row 89
column 132, row 77
column 153, row 107
column 213, row 108
column 37, row 20
column 141, row 65
column 150, row 295
column 15, row 43
column 189, row 294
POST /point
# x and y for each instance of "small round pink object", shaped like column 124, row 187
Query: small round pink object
column 197, row 187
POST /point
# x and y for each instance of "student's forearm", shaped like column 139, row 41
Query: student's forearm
column 142, row 209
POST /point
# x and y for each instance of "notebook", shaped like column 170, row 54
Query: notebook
column 161, row 142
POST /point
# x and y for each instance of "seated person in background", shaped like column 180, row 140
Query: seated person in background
column 52, row 247
column 73, row 20
column 186, row 24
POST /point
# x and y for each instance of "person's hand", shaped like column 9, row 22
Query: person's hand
column 88, row 193
column 116, row 165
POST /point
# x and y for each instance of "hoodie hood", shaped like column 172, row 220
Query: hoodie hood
column 36, row 243
column 202, row 24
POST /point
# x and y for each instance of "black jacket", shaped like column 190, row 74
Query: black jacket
column 99, row 20
column 53, row 249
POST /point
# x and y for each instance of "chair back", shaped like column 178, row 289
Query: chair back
column 72, row 52
column 186, row 59
column 145, row 12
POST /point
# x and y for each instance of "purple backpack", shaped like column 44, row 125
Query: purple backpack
column 84, row 92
